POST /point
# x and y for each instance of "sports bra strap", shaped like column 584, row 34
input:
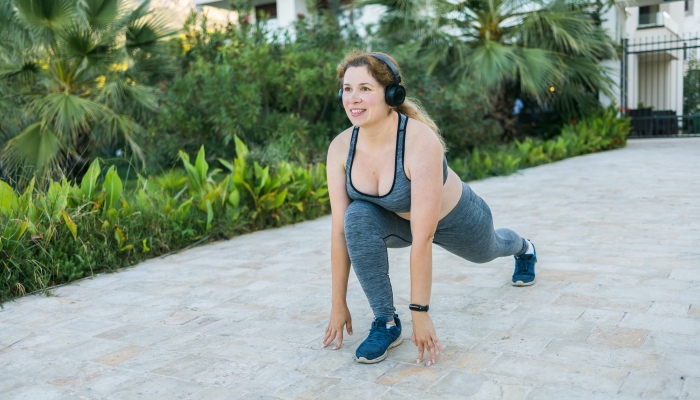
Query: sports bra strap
column 401, row 141
column 351, row 151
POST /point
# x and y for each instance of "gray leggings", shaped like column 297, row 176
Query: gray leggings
column 466, row 231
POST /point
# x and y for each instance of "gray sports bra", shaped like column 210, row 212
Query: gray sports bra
column 399, row 197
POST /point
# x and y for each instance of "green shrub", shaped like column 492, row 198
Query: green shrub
column 601, row 131
column 69, row 231
column 274, row 90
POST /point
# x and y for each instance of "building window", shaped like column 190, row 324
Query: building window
column 648, row 16
column 267, row 9
column 688, row 7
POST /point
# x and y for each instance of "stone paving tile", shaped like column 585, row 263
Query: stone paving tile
column 602, row 379
column 691, row 388
column 546, row 392
column 653, row 385
column 33, row 392
column 615, row 313
column 157, row 387
column 459, row 383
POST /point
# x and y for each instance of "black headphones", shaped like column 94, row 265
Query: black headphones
column 394, row 94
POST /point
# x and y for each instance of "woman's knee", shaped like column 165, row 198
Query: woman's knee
column 361, row 213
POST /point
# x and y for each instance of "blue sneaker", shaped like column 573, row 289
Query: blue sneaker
column 524, row 274
column 380, row 339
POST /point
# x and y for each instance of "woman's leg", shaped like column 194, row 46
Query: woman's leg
column 369, row 230
column 467, row 231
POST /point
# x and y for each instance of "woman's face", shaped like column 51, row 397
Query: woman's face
column 363, row 97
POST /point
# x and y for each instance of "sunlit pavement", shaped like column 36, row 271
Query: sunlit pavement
column 615, row 313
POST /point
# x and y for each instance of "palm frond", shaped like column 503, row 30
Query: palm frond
column 36, row 148
column 537, row 70
column 67, row 113
column 102, row 14
column 46, row 16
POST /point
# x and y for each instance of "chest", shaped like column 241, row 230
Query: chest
column 373, row 171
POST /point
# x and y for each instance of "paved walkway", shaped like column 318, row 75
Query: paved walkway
column 615, row 314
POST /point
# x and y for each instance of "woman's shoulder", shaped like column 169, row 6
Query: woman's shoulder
column 340, row 145
column 420, row 136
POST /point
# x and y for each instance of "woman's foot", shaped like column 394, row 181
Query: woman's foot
column 381, row 338
column 524, row 274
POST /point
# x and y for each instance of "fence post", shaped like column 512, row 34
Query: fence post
column 623, row 78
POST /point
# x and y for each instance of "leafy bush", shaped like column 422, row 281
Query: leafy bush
column 274, row 90
column 72, row 230
column 601, row 131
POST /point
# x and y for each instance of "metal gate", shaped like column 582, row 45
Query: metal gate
column 660, row 88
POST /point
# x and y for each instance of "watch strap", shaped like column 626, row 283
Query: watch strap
column 418, row 307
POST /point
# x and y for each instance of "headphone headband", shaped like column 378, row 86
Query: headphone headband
column 392, row 67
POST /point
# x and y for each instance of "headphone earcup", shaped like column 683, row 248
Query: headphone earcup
column 340, row 96
column 394, row 95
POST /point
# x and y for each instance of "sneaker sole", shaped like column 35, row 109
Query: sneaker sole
column 521, row 283
column 395, row 343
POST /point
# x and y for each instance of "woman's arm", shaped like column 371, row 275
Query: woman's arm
column 340, row 260
column 423, row 160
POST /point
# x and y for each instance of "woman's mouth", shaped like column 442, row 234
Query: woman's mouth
column 356, row 112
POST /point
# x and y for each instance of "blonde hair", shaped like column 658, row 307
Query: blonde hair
column 411, row 107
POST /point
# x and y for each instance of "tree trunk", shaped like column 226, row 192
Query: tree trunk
column 502, row 104
column 77, row 161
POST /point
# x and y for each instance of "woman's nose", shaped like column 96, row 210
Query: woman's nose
column 353, row 97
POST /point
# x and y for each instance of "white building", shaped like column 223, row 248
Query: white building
column 282, row 12
column 658, row 36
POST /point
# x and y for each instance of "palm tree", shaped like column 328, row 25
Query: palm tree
column 549, row 50
column 79, row 73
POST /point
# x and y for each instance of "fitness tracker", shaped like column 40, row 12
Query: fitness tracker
column 416, row 307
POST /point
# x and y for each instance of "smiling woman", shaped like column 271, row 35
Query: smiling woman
column 390, row 186
column 386, row 74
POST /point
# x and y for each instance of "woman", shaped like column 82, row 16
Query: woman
column 390, row 186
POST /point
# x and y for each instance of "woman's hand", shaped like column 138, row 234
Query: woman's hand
column 340, row 317
column 425, row 338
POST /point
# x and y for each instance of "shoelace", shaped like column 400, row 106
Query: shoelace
column 376, row 334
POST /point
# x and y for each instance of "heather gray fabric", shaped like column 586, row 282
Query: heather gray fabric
column 466, row 231
column 399, row 197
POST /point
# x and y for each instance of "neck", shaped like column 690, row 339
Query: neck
column 376, row 133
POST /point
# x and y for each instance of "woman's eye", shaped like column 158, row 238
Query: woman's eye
column 365, row 89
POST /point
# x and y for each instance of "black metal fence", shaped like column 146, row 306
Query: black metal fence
column 660, row 87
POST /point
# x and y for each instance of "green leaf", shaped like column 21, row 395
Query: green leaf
column 126, row 248
column 201, row 165
column 113, row 186
column 119, row 236
column 54, row 201
column 196, row 182
column 226, row 164
column 7, row 198
column 210, row 215
column 89, row 183
column 145, row 247
column 241, row 149
column 234, row 198
column 279, row 199
column 184, row 208
column 70, row 224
